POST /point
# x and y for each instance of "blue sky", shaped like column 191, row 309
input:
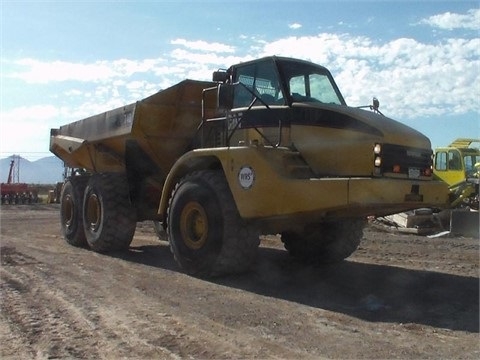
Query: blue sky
column 65, row 60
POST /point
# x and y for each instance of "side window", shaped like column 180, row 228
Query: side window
column 297, row 87
column 454, row 161
column 242, row 96
column 441, row 161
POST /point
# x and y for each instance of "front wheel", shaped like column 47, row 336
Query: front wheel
column 109, row 219
column 326, row 243
column 205, row 231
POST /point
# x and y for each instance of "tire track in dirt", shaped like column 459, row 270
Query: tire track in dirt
column 145, row 323
column 82, row 319
column 48, row 327
column 58, row 324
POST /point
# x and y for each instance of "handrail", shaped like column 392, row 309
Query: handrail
column 201, row 126
column 237, row 125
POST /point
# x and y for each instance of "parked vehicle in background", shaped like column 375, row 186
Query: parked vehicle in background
column 458, row 164
column 15, row 192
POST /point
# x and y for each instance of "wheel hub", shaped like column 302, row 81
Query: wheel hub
column 93, row 215
column 67, row 210
column 194, row 225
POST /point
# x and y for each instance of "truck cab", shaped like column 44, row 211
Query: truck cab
column 458, row 165
column 457, row 162
column 284, row 102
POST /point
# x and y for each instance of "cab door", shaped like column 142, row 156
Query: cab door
column 449, row 166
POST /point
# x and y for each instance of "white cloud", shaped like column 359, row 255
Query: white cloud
column 38, row 113
column 37, row 71
column 141, row 89
column 204, row 46
column 33, row 122
column 42, row 72
column 412, row 79
column 295, row 26
column 73, row 93
column 450, row 21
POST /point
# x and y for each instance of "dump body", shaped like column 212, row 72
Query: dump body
column 163, row 126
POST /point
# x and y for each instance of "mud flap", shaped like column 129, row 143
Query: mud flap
column 464, row 223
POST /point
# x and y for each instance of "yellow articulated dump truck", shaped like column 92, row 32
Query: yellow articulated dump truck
column 268, row 147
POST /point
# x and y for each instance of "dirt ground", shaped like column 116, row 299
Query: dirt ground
column 398, row 296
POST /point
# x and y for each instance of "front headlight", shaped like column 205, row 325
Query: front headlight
column 377, row 156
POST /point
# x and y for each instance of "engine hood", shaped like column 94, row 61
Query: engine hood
column 384, row 128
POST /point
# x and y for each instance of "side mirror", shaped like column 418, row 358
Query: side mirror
column 219, row 76
column 225, row 96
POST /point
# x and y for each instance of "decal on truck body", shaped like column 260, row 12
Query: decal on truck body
column 246, row 177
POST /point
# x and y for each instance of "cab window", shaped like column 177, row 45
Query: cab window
column 441, row 161
column 454, row 161
column 470, row 161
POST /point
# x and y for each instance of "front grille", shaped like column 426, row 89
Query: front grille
column 399, row 159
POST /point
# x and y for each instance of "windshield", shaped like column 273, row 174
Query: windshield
column 308, row 83
column 262, row 83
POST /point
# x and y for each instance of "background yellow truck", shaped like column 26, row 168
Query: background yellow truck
column 269, row 146
column 458, row 164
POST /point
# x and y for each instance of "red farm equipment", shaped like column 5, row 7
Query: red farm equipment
column 15, row 192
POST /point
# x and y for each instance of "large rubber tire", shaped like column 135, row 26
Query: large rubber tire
column 71, row 215
column 325, row 243
column 109, row 219
column 205, row 231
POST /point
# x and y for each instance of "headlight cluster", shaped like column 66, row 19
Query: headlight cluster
column 377, row 151
column 396, row 160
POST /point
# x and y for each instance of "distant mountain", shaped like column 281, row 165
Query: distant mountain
column 48, row 170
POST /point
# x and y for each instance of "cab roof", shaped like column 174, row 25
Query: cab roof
column 275, row 59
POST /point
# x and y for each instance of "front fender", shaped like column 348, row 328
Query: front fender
column 199, row 159
column 256, row 177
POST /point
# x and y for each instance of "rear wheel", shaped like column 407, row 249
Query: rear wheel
column 71, row 216
column 328, row 242
column 206, row 234
column 109, row 219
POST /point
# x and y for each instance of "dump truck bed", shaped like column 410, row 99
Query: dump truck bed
column 162, row 125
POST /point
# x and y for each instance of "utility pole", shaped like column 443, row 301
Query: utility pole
column 16, row 169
